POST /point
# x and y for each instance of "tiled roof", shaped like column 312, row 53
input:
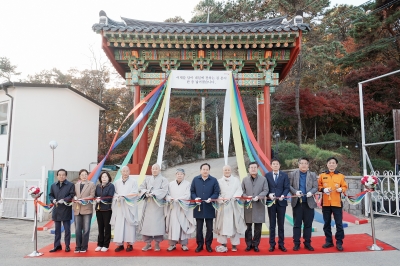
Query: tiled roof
column 141, row 26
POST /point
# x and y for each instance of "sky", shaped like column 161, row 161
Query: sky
column 43, row 34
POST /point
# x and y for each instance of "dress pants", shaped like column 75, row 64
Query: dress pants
column 248, row 235
column 338, row 216
column 276, row 212
column 57, row 233
column 199, row 231
column 103, row 222
column 302, row 214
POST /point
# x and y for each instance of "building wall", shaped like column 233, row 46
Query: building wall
column 4, row 138
column 44, row 114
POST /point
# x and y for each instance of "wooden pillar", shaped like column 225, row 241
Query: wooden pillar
column 267, row 125
column 135, row 168
column 141, row 149
column 261, row 123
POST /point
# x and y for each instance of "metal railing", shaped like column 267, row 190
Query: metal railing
column 386, row 197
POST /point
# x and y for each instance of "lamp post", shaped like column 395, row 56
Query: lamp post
column 277, row 135
column 53, row 145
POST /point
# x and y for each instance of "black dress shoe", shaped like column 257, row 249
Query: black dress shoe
column 67, row 249
column 296, row 247
column 208, row 248
column 271, row 248
column 339, row 247
column 198, row 249
column 248, row 248
column 56, row 249
column 256, row 249
column 327, row 245
column 309, row 247
column 119, row 248
column 282, row 248
column 129, row 248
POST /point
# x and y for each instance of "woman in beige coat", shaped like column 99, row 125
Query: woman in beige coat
column 83, row 210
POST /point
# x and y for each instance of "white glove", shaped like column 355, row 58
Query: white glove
column 75, row 198
column 255, row 198
column 175, row 200
column 309, row 194
column 54, row 201
column 299, row 193
column 208, row 200
column 149, row 195
column 98, row 200
column 198, row 202
column 327, row 191
column 249, row 198
column 121, row 198
column 61, row 201
column 281, row 197
column 271, row 196
column 339, row 190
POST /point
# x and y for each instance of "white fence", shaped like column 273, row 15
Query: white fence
column 386, row 196
column 15, row 200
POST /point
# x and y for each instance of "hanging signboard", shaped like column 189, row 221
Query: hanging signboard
column 189, row 79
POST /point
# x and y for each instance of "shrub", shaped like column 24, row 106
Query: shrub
column 288, row 151
column 344, row 151
column 380, row 165
column 330, row 140
column 213, row 155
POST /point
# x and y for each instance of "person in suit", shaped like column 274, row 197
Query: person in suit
column 279, row 187
column 203, row 189
column 303, row 184
column 84, row 189
column 255, row 188
column 62, row 192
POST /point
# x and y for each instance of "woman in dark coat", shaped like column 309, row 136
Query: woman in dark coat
column 104, row 195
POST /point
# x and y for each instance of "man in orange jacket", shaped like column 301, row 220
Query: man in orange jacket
column 331, row 183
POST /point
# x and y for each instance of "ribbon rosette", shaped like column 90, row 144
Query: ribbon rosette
column 369, row 181
column 33, row 190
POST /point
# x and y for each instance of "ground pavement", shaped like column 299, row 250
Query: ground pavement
column 16, row 236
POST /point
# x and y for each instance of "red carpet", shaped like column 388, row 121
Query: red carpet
column 352, row 243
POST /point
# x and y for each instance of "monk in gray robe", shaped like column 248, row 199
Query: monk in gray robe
column 152, row 224
column 124, row 213
column 180, row 223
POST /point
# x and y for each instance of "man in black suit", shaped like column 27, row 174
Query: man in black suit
column 279, row 187
column 60, row 193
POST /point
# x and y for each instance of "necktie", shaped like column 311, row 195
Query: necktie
column 276, row 178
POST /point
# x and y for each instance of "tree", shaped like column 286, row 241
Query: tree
column 176, row 19
column 7, row 70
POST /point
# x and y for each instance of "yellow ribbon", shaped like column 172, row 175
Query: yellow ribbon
column 237, row 141
column 153, row 140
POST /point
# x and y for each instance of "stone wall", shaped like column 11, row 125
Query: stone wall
column 354, row 187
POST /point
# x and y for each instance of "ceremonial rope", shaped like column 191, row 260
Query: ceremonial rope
column 187, row 204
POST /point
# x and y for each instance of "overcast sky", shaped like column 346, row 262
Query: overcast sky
column 42, row 34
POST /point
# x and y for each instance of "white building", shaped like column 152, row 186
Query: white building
column 32, row 115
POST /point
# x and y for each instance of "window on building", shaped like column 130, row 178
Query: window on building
column 3, row 118
column 3, row 129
